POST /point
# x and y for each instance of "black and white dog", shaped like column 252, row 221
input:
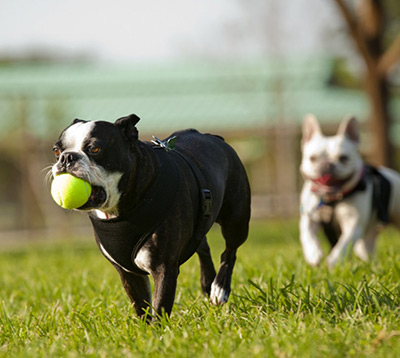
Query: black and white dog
column 349, row 199
column 152, row 205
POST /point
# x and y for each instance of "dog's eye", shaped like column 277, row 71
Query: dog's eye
column 94, row 150
column 313, row 158
column 56, row 151
column 343, row 159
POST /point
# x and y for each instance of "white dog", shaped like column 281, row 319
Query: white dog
column 347, row 198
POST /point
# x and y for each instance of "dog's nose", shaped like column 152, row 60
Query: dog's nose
column 68, row 158
column 328, row 168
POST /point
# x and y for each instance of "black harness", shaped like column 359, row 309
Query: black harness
column 121, row 238
column 381, row 189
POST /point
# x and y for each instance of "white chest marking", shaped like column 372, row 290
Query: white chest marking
column 143, row 259
column 103, row 215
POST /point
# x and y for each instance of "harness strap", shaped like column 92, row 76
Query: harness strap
column 203, row 225
column 381, row 188
column 381, row 194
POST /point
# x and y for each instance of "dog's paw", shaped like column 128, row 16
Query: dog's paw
column 361, row 250
column 313, row 255
column 332, row 259
column 218, row 295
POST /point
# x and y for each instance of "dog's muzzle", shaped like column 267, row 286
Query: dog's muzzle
column 69, row 162
column 96, row 199
column 329, row 180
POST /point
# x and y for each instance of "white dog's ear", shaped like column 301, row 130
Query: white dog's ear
column 310, row 127
column 349, row 128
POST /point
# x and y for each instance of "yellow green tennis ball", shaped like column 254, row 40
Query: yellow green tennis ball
column 70, row 192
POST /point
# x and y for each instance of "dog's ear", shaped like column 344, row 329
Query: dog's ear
column 127, row 125
column 349, row 128
column 77, row 120
column 310, row 128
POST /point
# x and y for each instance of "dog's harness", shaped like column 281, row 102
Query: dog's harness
column 121, row 238
column 381, row 189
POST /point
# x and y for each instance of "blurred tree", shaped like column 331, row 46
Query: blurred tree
column 370, row 26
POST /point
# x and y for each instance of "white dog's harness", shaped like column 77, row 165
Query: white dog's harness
column 381, row 189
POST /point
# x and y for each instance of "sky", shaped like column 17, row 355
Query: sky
column 159, row 30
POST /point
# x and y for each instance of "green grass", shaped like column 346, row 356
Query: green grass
column 65, row 300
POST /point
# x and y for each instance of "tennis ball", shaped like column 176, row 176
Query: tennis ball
column 70, row 192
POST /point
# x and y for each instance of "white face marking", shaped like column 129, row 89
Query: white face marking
column 75, row 135
column 72, row 140
column 109, row 181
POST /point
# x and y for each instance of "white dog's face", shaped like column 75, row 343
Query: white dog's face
column 330, row 161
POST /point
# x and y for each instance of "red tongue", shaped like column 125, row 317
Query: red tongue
column 326, row 180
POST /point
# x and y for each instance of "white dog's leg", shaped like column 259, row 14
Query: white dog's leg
column 309, row 240
column 347, row 240
column 360, row 249
column 353, row 218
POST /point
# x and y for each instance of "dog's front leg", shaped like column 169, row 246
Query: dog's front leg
column 165, row 279
column 138, row 289
column 309, row 240
column 364, row 248
column 351, row 228
column 345, row 245
column 352, row 218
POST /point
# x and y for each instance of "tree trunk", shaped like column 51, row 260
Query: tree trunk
column 382, row 152
column 371, row 20
column 366, row 27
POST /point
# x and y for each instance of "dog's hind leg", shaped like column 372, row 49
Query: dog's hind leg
column 221, row 286
column 138, row 289
column 206, row 266
column 235, row 233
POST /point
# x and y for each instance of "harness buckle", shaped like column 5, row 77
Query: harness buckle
column 167, row 145
column 206, row 203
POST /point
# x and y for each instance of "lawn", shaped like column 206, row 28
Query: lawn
column 65, row 300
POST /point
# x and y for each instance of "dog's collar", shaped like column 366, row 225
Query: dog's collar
column 333, row 194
